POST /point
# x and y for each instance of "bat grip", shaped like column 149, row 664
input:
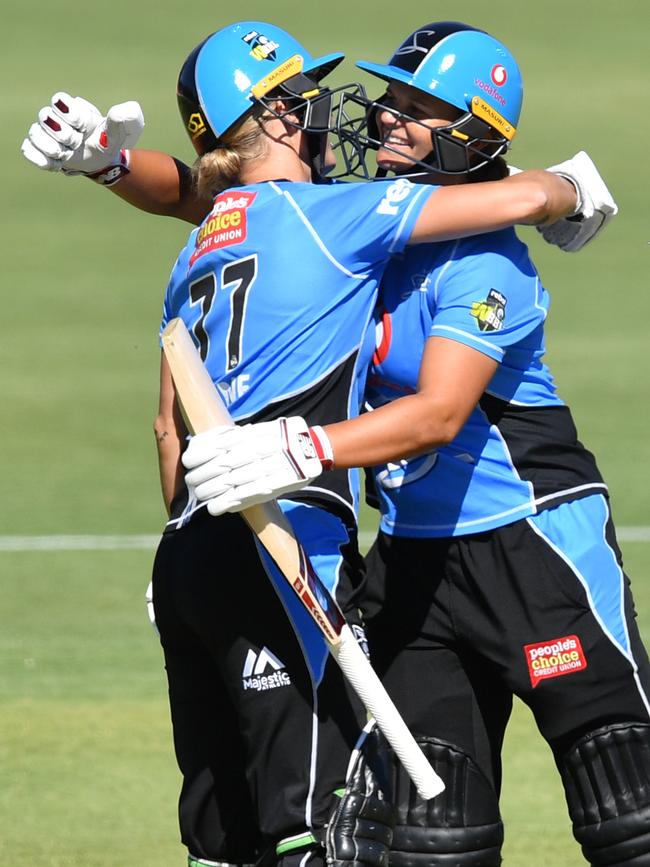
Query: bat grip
column 371, row 691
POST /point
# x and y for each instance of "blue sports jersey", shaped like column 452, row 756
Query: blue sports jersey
column 518, row 453
column 277, row 287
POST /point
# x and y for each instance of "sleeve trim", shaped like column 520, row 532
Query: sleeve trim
column 494, row 351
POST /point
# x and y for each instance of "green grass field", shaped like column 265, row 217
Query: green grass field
column 88, row 776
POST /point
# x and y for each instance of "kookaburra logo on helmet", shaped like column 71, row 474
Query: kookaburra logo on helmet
column 413, row 46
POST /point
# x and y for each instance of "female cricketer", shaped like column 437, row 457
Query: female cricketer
column 496, row 571
column 278, row 285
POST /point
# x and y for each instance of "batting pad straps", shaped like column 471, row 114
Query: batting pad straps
column 323, row 446
column 606, row 776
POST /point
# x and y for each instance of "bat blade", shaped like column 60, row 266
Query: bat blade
column 204, row 408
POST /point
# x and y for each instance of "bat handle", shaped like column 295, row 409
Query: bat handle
column 371, row 691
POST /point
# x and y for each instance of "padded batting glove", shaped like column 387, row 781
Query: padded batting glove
column 596, row 206
column 232, row 468
column 72, row 136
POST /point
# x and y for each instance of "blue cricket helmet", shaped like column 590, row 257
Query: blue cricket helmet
column 227, row 75
column 470, row 70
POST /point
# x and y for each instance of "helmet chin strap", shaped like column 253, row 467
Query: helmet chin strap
column 317, row 145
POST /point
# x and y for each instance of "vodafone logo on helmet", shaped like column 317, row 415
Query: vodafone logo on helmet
column 499, row 75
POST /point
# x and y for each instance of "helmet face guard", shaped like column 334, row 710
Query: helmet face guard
column 459, row 148
column 316, row 108
column 462, row 66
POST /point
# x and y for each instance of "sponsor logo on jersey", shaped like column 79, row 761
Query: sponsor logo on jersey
column 263, row 671
column 394, row 195
column 261, row 47
column 554, row 658
column 491, row 313
column 225, row 226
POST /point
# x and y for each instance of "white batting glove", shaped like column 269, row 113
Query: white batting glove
column 205, row 457
column 596, row 206
column 234, row 468
column 72, row 136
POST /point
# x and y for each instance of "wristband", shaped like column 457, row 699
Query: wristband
column 323, row 447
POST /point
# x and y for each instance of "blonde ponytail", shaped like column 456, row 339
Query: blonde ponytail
column 222, row 167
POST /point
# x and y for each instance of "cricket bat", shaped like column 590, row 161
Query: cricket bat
column 203, row 408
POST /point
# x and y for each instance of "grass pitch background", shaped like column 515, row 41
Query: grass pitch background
column 88, row 776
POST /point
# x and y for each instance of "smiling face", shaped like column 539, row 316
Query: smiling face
column 405, row 139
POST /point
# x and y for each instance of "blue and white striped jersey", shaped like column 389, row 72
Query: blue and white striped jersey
column 518, row 453
column 278, row 287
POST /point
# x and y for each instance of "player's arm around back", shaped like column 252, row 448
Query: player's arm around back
column 532, row 198
column 234, row 468
column 160, row 184
column 452, row 379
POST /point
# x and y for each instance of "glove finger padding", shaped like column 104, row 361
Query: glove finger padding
column 38, row 158
column 124, row 125
column 102, row 154
column 571, row 235
column 43, row 150
column 59, row 129
column 244, row 482
column 215, row 486
column 218, row 468
column 73, row 137
column 211, row 444
column 76, row 111
column 360, row 831
column 225, row 502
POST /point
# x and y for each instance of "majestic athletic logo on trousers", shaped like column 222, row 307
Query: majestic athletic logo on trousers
column 263, row 671
column 554, row 658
